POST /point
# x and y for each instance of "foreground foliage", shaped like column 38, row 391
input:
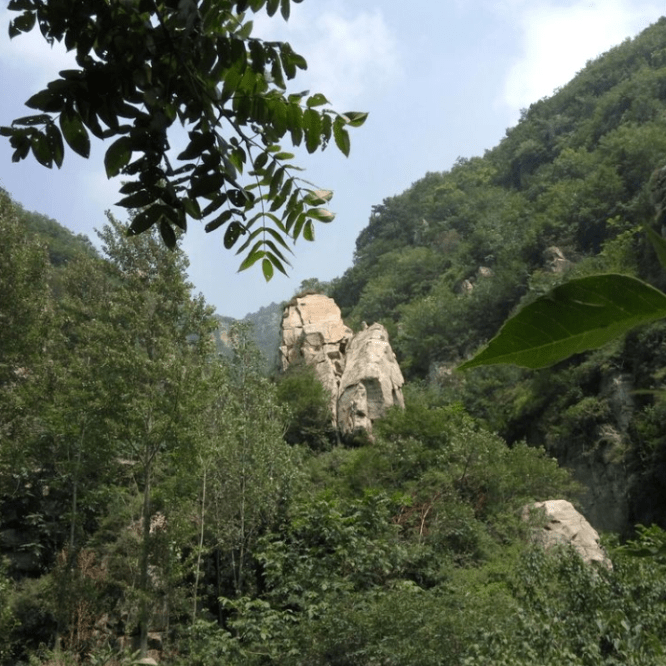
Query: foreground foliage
column 145, row 66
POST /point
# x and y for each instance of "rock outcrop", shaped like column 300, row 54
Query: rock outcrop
column 564, row 525
column 555, row 261
column 359, row 371
column 371, row 381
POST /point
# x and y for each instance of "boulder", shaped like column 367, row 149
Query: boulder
column 555, row 260
column 371, row 382
column 563, row 525
column 359, row 371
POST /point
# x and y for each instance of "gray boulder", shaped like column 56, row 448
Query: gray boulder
column 371, row 382
column 558, row 523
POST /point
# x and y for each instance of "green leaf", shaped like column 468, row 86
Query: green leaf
column 192, row 208
column 55, row 144
column 41, row 149
column 295, row 123
column 198, row 144
column 260, row 160
column 219, row 221
column 279, row 201
column 238, row 197
column 257, row 54
column 308, row 231
column 75, row 133
column 267, row 269
column 138, row 199
column 275, row 251
column 178, row 217
column 251, row 260
column 45, row 100
column 168, row 234
column 341, row 136
column 318, row 197
column 39, row 119
column 18, row 5
column 23, row 23
column 206, row 184
column 144, row 220
column 22, row 148
column 299, row 222
column 130, row 187
column 326, row 127
column 285, row 8
column 320, row 214
column 312, row 127
column 658, row 243
column 580, row 315
column 277, row 263
column 291, row 61
column 118, row 156
column 355, row 118
column 316, row 100
column 231, row 235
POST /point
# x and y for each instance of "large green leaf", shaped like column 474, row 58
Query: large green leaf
column 577, row 316
column 341, row 136
column 75, row 133
column 118, row 156
column 658, row 243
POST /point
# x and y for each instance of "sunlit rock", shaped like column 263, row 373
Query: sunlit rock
column 359, row 371
column 558, row 523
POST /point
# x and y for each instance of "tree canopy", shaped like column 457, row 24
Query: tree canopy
column 146, row 65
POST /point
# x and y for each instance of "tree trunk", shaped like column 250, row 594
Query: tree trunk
column 201, row 539
column 144, row 582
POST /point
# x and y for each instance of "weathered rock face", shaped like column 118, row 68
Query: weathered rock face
column 564, row 525
column 602, row 461
column 313, row 332
column 555, row 260
column 359, row 371
column 371, row 381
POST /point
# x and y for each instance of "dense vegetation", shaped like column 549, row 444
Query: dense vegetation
column 565, row 194
column 156, row 495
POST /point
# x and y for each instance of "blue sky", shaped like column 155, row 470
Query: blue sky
column 440, row 79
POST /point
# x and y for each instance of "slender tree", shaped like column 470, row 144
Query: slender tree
column 24, row 319
column 165, row 336
column 254, row 468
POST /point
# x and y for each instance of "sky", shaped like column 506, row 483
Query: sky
column 440, row 79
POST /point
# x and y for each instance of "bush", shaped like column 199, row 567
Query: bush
column 310, row 421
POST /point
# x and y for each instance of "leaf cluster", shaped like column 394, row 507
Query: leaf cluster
column 142, row 68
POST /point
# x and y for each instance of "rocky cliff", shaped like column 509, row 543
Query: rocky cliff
column 359, row 370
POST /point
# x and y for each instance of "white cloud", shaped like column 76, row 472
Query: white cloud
column 559, row 38
column 350, row 57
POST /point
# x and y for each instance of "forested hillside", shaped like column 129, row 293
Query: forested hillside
column 161, row 501
column 564, row 194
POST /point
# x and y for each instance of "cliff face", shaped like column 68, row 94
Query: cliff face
column 359, row 371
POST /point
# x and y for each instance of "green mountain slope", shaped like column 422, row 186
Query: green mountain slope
column 61, row 244
column 564, row 194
